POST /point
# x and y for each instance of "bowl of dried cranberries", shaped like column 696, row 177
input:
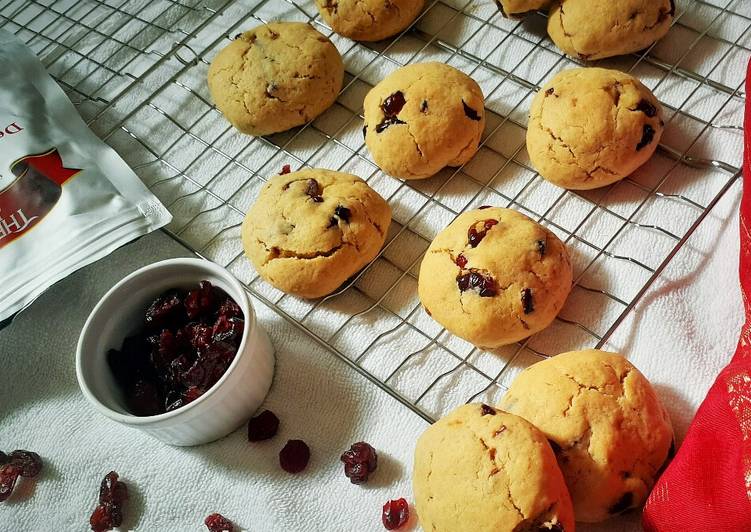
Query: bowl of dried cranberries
column 174, row 349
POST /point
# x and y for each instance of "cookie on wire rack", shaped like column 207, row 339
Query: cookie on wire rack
column 590, row 127
column 480, row 469
column 369, row 20
column 422, row 118
column 494, row 277
column 309, row 231
column 517, row 8
column 595, row 30
column 275, row 77
column 610, row 432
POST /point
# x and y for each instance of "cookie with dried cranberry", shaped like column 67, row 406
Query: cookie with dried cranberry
column 369, row 20
column 595, row 30
column 494, row 277
column 612, row 434
column 309, row 231
column 422, row 118
column 516, row 8
column 480, row 469
column 275, row 77
column 590, row 127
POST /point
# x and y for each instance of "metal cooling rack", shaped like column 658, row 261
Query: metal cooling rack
column 136, row 70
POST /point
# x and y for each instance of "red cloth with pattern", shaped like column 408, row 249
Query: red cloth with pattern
column 707, row 487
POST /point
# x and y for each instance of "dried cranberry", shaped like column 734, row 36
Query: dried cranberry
column 294, row 456
column 474, row 280
column 527, row 303
column 647, row 108
column 393, row 104
column 191, row 394
column 424, row 106
column 218, row 523
column 199, row 335
column 343, row 213
column 28, row 463
column 487, row 410
column 648, row 135
column 313, row 189
column 200, row 301
column 541, row 246
column 359, row 461
column 395, row 514
column 471, row 113
column 461, row 260
column 163, row 310
column 263, row 426
column 228, row 330
column 285, row 169
column 475, row 236
column 109, row 513
column 230, row 309
column 8, row 476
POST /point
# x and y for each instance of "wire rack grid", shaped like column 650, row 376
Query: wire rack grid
column 136, row 70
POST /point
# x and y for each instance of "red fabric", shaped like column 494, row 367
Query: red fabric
column 707, row 487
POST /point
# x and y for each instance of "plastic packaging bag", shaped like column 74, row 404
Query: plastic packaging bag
column 66, row 198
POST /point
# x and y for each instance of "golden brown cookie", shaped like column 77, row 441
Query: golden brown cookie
column 309, row 231
column 275, row 77
column 369, row 20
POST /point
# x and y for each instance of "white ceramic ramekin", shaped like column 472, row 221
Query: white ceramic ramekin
column 219, row 411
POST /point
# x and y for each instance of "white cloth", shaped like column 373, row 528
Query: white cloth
column 680, row 334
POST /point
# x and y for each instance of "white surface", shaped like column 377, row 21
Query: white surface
column 219, row 411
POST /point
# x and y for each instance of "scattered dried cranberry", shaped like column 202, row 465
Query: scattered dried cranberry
column 395, row 514
column 487, row 410
column 648, row 135
column 218, row 523
column 294, row 456
column 8, row 476
column 28, row 463
column 473, row 279
column 471, row 113
column 285, row 169
column 359, row 461
column 527, row 303
column 461, row 261
column 313, row 189
column 109, row 513
column 263, row 426
column 189, row 341
column 475, row 237
column 343, row 213
column 647, row 108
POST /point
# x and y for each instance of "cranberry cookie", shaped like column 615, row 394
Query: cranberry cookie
column 309, row 231
column 494, row 277
column 610, row 432
column 594, row 30
column 422, row 118
column 590, row 127
column 275, row 77
column 369, row 20
column 484, row 470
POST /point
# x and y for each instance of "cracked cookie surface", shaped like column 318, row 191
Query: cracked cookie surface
column 494, row 277
column 480, row 469
column 595, row 30
column 516, row 8
column 590, row 127
column 275, row 77
column 369, row 20
column 423, row 117
column 612, row 435
column 310, row 230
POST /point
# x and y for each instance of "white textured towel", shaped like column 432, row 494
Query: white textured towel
column 680, row 334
